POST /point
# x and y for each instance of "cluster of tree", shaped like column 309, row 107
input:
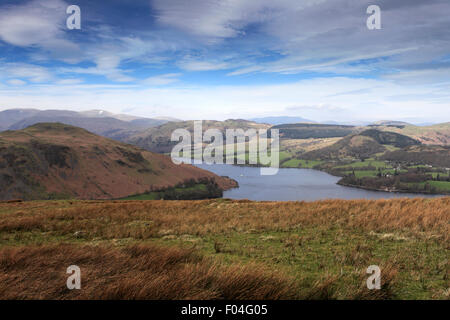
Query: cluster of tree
column 407, row 182
column 191, row 189
column 441, row 174
column 370, row 182
column 442, row 177
column 390, row 138
column 438, row 156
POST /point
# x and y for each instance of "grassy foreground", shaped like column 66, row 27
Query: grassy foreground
column 224, row 249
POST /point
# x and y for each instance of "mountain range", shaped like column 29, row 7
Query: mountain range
column 154, row 133
column 107, row 124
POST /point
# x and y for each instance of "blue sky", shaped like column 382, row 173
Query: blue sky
column 224, row 59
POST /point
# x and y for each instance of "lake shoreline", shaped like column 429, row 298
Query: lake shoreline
column 333, row 173
column 295, row 184
column 387, row 190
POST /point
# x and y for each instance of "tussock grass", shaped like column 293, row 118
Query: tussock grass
column 135, row 272
column 225, row 249
column 416, row 217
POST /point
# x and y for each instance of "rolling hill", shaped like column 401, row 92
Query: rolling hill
column 438, row 134
column 158, row 139
column 389, row 138
column 390, row 123
column 361, row 146
column 53, row 160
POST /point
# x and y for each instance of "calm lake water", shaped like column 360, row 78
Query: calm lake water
column 292, row 184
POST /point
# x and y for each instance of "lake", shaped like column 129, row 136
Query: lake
column 293, row 184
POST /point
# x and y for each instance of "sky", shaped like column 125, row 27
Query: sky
column 210, row 59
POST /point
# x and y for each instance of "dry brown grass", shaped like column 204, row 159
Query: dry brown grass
column 405, row 237
column 147, row 219
column 136, row 272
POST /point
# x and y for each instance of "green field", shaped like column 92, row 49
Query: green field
column 363, row 173
column 300, row 163
column 440, row 185
column 368, row 163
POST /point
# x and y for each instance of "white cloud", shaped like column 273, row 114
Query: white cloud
column 314, row 35
column 66, row 82
column 192, row 65
column 40, row 24
column 16, row 82
column 33, row 73
column 106, row 69
column 218, row 19
column 163, row 79
column 339, row 99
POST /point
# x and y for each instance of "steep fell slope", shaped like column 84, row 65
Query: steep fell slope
column 53, row 160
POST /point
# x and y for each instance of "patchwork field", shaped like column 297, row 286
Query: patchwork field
column 225, row 249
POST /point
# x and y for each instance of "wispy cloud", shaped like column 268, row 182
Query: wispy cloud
column 162, row 79
column 30, row 72
column 39, row 24
column 192, row 65
column 16, row 82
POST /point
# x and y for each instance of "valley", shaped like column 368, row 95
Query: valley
column 385, row 156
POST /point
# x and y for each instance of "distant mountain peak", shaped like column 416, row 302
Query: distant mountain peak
column 391, row 123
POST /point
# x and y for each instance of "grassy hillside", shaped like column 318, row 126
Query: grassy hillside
column 438, row 134
column 223, row 249
column 51, row 160
column 361, row 146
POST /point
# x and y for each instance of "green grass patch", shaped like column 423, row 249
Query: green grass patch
column 361, row 164
column 309, row 253
column 300, row 163
column 440, row 185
